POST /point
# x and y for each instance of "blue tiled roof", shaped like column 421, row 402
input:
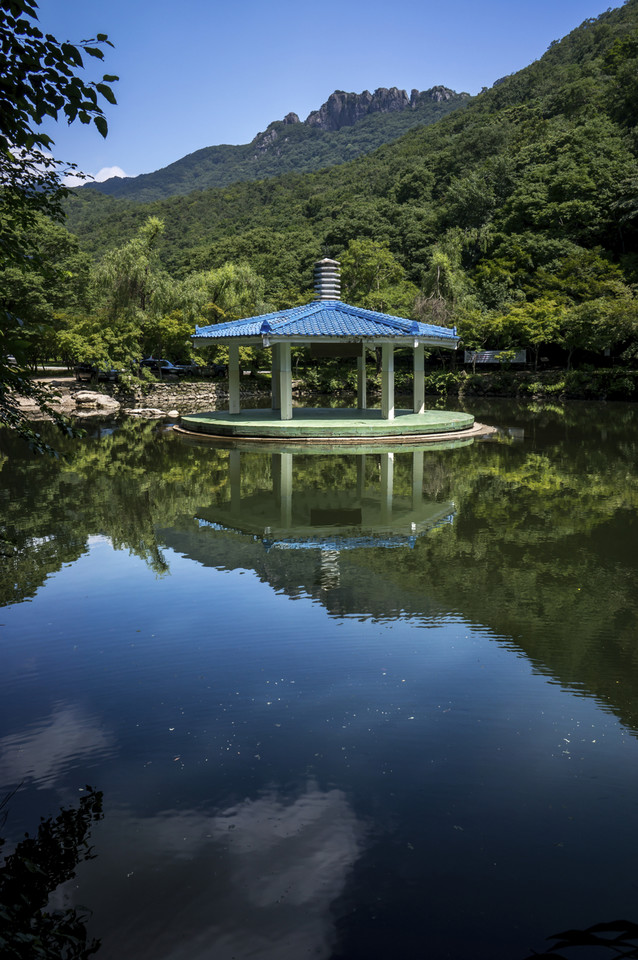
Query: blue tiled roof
column 326, row 318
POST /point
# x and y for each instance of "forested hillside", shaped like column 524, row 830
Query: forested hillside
column 345, row 127
column 515, row 218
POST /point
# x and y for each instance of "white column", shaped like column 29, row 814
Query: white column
column 274, row 368
column 362, row 399
column 233, row 378
column 285, row 382
column 419, row 379
column 387, row 381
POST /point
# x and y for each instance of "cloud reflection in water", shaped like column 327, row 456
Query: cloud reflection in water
column 55, row 744
column 256, row 880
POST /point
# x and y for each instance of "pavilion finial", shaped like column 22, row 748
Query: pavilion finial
column 327, row 279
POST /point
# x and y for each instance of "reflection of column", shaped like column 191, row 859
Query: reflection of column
column 387, row 381
column 329, row 573
column 362, row 395
column 233, row 378
column 387, row 485
column 285, row 488
column 234, row 473
column 419, row 379
column 285, row 382
column 276, row 401
column 361, row 475
column 417, row 479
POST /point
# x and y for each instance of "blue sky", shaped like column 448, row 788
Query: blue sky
column 195, row 73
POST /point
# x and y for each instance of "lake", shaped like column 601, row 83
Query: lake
column 339, row 705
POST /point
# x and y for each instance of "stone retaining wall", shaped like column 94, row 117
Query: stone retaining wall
column 180, row 396
column 153, row 400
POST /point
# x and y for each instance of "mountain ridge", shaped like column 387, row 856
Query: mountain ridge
column 346, row 126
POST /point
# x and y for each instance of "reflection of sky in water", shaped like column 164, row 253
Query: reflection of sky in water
column 58, row 742
column 255, row 880
column 268, row 765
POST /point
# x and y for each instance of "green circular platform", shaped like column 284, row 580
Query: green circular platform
column 337, row 424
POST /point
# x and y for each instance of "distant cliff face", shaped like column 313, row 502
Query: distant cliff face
column 345, row 109
column 292, row 144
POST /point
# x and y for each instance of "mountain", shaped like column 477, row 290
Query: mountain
column 527, row 192
column 346, row 126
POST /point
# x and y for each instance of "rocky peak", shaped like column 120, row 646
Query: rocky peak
column 343, row 109
column 437, row 94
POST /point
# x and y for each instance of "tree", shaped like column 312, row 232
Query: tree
column 476, row 329
column 55, row 284
column 596, row 325
column 131, row 293
column 39, row 78
column 129, row 277
column 374, row 278
column 445, row 284
column 532, row 325
column 229, row 292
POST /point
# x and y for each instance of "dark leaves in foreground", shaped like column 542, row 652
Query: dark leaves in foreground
column 617, row 938
column 29, row 875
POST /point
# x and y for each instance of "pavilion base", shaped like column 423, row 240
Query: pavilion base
column 312, row 424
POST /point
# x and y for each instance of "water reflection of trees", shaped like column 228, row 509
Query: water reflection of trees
column 540, row 550
column 120, row 483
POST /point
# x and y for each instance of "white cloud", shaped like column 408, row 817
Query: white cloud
column 106, row 173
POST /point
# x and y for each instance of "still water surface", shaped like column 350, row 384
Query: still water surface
column 340, row 706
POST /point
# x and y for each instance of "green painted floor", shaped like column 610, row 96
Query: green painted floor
column 317, row 422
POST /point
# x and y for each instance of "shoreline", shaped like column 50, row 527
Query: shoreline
column 173, row 399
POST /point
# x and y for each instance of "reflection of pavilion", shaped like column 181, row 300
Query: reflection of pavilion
column 289, row 516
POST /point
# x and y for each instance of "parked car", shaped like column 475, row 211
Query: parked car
column 166, row 369
column 215, row 370
column 87, row 371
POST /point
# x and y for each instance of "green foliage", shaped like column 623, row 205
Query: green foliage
column 229, row 292
column 373, row 278
column 39, row 78
column 531, row 325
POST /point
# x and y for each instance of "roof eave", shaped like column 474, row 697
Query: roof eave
column 450, row 343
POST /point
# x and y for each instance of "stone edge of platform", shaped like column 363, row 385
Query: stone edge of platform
column 476, row 430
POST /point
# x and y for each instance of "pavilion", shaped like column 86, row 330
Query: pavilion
column 338, row 329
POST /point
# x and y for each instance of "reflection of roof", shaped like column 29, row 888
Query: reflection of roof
column 328, row 319
column 335, row 542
